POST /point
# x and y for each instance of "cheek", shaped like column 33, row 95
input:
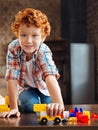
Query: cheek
column 20, row 40
column 21, row 43
column 37, row 43
column 37, row 46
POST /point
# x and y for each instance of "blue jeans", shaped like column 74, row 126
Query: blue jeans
column 32, row 96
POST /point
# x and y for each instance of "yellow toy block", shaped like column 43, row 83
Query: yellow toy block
column 87, row 113
column 4, row 108
column 39, row 107
column 72, row 119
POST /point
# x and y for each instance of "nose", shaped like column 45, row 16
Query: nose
column 29, row 39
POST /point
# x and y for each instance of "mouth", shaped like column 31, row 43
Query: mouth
column 29, row 46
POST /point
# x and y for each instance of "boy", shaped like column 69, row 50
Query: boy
column 30, row 66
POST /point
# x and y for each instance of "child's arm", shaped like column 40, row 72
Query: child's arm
column 57, row 106
column 12, row 93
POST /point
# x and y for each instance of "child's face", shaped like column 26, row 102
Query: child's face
column 29, row 38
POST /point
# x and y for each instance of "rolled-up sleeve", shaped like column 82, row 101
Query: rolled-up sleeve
column 46, row 62
column 12, row 65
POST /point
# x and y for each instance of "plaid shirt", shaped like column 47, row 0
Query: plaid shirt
column 42, row 65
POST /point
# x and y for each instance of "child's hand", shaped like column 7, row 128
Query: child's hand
column 54, row 109
column 13, row 112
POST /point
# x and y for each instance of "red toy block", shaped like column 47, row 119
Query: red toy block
column 93, row 115
column 71, row 111
column 82, row 117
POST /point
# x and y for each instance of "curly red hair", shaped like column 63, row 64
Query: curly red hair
column 30, row 16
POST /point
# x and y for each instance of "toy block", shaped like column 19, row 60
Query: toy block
column 82, row 117
column 76, row 110
column 65, row 114
column 4, row 108
column 39, row 107
column 72, row 115
column 93, row 115
column 87, row 113
column 72, row 119
column 81, row 110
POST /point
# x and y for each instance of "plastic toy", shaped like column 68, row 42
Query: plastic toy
column 82, row 117
column 93, row 115
column 43, row 118
column 79, row 115
column 67, row 116
column 5, row 107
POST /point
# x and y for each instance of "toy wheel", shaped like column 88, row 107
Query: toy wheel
column 44, row 121
column 57, row 120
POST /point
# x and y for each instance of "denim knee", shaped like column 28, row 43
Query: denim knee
column 27, row 98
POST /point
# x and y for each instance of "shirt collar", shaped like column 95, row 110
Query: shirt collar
column 34, row 55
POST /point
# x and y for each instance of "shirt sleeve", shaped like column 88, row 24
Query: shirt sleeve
column 12, row 64
column 46, row 62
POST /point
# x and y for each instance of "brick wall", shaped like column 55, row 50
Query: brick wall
column 92, row 21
